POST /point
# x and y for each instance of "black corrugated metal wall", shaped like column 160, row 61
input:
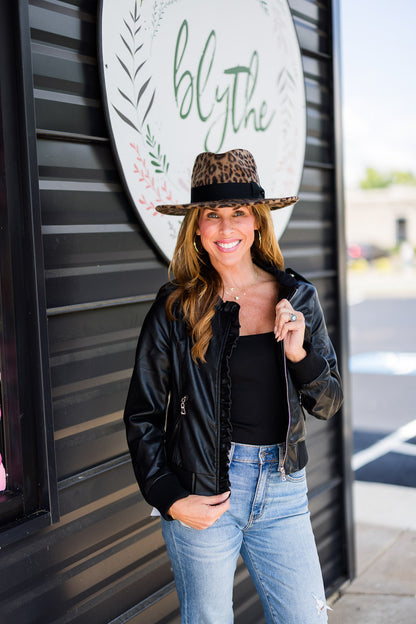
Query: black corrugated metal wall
column 104, row 560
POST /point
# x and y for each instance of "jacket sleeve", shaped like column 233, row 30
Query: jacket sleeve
column 317, row 378
column 145, row 412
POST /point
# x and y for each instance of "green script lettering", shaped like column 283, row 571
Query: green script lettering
column 200, row 88
column 185, row 106
column 231, row 106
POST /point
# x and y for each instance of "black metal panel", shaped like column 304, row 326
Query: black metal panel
column 94, row 283
column 105, row 560
column 71, row 204
column 92, row 352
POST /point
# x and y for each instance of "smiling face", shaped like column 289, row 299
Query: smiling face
column 227, row 234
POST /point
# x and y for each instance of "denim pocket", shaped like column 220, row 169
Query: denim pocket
column 297, row 477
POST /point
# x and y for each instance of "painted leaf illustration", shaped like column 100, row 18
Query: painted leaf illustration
column 128, row 28
column 142, row 90
column 124, row 67
column 138, row 69
column 149, row 107
column 137, row 95
column 158, row 12
column 263, row 4
column 287, row 90
column 155, row 152
column 125, row 119
column 127, row 45
column 125, row 96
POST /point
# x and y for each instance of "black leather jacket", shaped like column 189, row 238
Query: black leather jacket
column 177, row 413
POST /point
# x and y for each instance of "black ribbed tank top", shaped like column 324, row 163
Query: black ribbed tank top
column 257, row 414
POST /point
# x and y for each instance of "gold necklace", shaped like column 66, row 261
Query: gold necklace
column 230, row 293
column 229, row 290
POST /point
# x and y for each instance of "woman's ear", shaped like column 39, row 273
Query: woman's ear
column 198, row 233
column 257, row 221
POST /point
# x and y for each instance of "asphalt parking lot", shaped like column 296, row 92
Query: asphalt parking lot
column 382, row 315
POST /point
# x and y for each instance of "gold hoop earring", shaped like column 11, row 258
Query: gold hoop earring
column 196, row 247
column 259, row 233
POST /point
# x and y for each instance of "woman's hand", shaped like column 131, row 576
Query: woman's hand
column 291, row 331
column 200, row 512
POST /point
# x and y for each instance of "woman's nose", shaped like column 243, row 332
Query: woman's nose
column 226, row 226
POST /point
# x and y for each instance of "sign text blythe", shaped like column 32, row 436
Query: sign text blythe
column 228, row 106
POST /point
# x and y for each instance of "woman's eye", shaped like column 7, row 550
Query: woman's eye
column 239, row 213
column 212, row 215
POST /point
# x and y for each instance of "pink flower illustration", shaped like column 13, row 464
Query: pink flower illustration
column 156, row 194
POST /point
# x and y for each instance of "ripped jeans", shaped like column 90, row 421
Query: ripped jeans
column 268, row 523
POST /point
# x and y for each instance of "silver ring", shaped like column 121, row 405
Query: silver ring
column 293, row 317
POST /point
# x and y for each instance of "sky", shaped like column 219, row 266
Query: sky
column 378, row 64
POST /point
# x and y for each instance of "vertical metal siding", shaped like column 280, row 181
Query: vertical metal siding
column 105, row 561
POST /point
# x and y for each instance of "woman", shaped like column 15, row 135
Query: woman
column 227, row 354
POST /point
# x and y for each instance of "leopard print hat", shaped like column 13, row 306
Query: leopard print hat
column 225, row 180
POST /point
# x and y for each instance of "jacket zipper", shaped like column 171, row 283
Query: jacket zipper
column 282, row 465
column 178, row 419
column 183, row 405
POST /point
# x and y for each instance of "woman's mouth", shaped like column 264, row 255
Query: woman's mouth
column 228, row 246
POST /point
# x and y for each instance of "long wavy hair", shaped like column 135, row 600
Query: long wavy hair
column 198, row 283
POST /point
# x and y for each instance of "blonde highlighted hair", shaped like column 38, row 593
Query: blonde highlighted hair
column 198, row 283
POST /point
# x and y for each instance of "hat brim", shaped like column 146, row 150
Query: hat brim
column 180, row 210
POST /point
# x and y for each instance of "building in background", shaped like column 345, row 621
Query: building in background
column 382, row 217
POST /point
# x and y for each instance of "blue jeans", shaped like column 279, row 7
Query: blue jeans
column 268, row 523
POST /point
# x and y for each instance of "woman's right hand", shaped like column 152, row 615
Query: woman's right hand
column 200, row 512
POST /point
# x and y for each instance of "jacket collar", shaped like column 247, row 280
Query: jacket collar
column 286, row 279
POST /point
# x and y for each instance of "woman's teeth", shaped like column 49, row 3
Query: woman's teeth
column 228, row 245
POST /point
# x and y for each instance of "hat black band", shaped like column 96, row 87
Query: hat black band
column 228, row 190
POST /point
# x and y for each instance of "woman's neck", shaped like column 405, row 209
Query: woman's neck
column 239, row 276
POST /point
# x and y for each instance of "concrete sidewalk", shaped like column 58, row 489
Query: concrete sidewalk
column 384, row 590
column 373, row 283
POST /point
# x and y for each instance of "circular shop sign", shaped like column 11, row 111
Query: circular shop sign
column 185, row 76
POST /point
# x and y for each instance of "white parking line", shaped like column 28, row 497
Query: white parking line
column 390, row 443
column 383, row 363
column 406, row 449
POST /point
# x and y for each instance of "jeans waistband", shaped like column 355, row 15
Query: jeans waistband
column 257, row 454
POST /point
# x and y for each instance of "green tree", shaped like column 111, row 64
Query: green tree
column 403, row 177
column 375, row 179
